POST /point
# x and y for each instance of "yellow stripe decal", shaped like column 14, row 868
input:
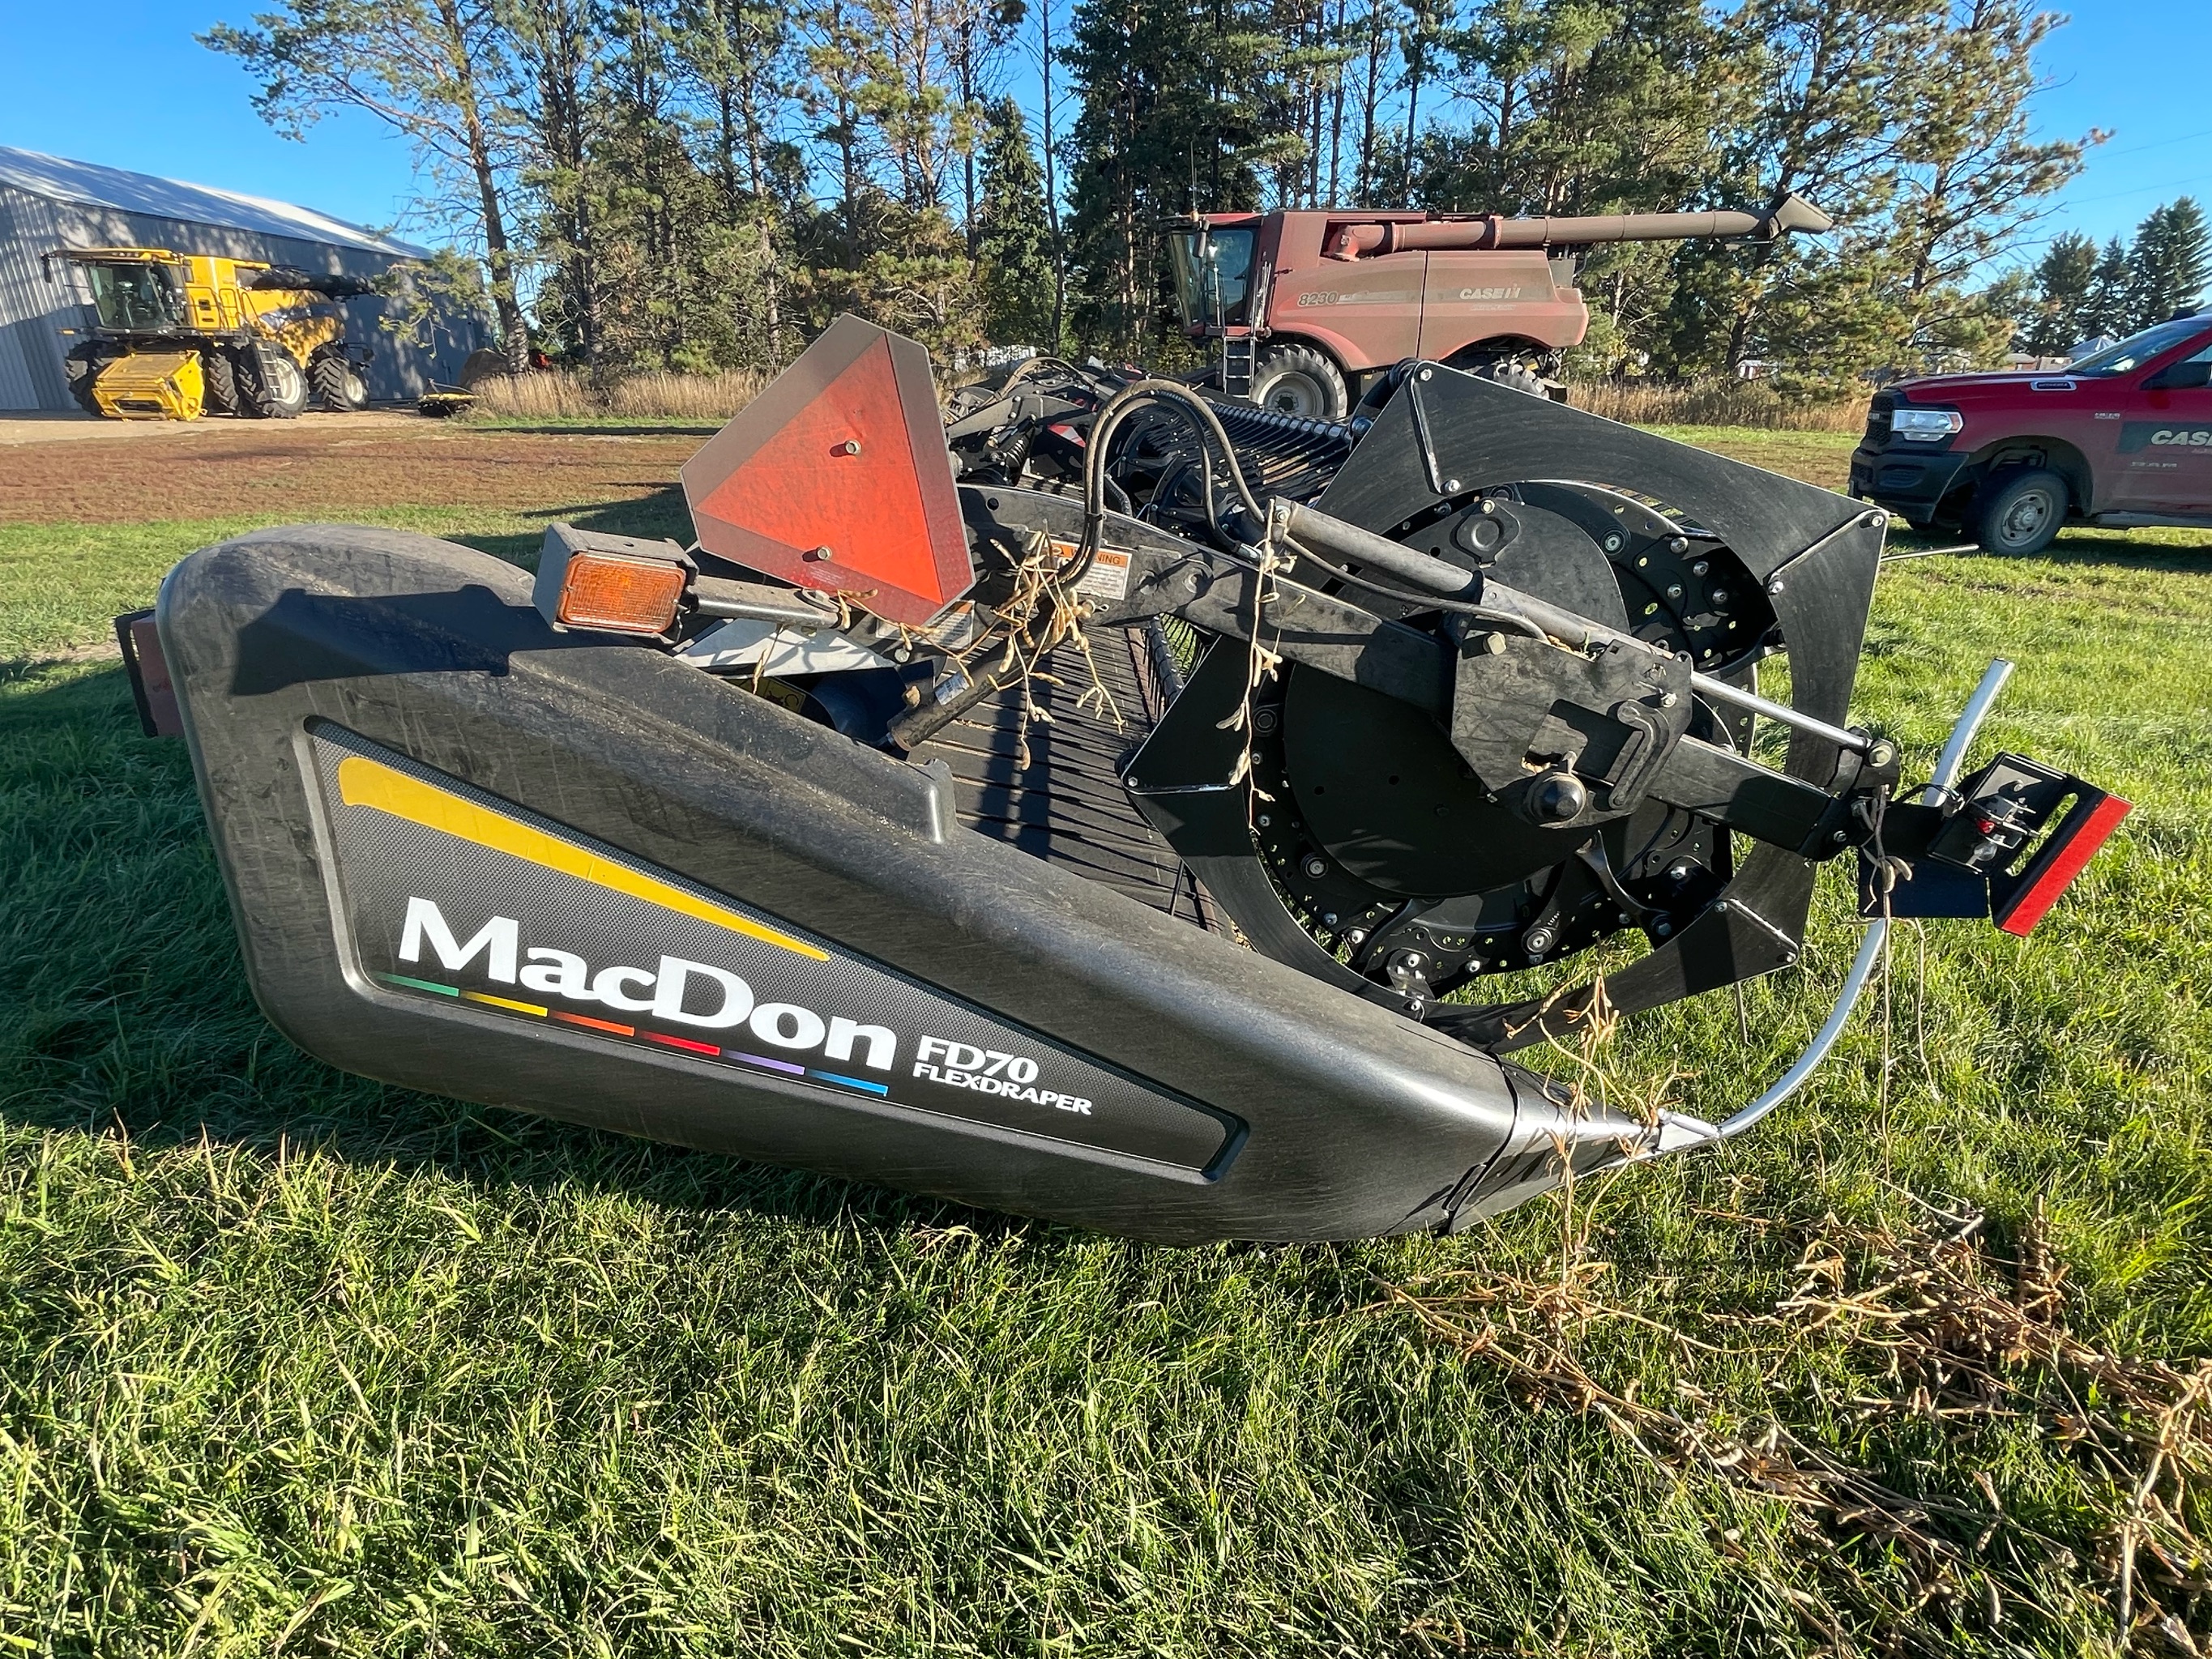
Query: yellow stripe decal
column 502, row 1002
column 365, row 782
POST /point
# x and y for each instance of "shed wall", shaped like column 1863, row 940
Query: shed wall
column 34, row 312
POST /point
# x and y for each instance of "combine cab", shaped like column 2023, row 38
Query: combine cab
column 1125, row 821
column 175, row 336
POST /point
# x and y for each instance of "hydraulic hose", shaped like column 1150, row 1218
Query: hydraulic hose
column 1870, row 947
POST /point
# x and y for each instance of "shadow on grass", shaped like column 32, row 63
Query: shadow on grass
column 2084, row 546
column 129, row 1013
column 2090, row 547
column 660, row 516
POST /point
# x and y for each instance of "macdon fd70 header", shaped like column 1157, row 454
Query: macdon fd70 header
column 1102, row 821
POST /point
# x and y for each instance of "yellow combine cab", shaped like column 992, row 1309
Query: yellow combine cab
column 178, row 334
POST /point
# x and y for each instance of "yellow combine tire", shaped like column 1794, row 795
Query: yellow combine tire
column 83, row 368
column 271, row 385
column 220, row 375
column 338, row 387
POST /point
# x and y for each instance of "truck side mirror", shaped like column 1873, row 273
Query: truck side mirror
column 2189, row 376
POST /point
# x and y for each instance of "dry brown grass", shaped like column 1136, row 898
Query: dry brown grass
column 1714, row 403
column 660, row 395
column 1946, row 1332
column 655, row 396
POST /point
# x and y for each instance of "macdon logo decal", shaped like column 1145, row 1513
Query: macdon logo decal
column 706, row 998
column 453, row 896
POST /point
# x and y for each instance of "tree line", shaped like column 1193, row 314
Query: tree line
column 697, row 184
column 2083, row 294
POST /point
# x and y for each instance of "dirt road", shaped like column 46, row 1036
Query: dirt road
column 91, row 472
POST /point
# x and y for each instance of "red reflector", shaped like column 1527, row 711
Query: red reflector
column 621, row 596
column 2060, row 866
column 158, row 715
column 836, row 478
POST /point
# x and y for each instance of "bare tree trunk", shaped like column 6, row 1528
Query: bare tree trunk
column 1052, row 185
column 966, row 68
column 499, row 258
column 1416, row 57
column 771, row 269
column 1370, row 99
column 1336, row 110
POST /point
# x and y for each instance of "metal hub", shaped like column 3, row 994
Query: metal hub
column 2024, row 518
column 1293, row 393
column 1388, row 852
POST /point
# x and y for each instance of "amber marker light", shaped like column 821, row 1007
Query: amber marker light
column 616, row 595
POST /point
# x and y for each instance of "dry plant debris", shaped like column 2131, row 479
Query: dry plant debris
column 1958, row 1334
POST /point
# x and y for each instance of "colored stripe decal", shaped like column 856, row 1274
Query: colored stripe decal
column 772, row 1065
column 2024, row 911
column 365, row 782
column 504, row 1002
column 852, row 1082
column 687, row 1044
column 596, row 1024
column 421, row 985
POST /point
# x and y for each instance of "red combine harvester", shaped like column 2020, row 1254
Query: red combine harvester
column 1310, row 307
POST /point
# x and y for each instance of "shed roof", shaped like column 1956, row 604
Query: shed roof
column 171, row 199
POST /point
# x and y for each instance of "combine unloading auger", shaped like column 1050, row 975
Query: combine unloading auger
column 1116, row 824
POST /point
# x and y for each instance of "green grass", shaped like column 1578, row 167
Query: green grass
column 291, row 1358
column 60, row 582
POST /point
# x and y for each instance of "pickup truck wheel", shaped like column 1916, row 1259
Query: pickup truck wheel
column 2019, row 510
column 1299, row 380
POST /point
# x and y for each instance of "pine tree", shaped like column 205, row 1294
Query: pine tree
column 1169, row 127
column 2109, row 314
column 1014, row 237
column 2059, row 320
column 2169, row 264
column 433, row 71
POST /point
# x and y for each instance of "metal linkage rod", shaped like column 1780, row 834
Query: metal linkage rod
column 1350, row 541
column 1721, row 691
column 1962, row 732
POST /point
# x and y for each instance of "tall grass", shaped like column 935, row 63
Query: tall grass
column 1714, row 403
column 662, row 395
column 657, row 394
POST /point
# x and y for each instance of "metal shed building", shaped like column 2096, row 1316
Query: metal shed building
column 48, row 203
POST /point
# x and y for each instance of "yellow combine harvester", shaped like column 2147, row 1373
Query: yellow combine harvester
column 178, row 334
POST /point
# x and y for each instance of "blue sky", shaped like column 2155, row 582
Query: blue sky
column 126, row 85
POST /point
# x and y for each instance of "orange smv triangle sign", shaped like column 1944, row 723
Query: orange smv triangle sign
column 836, row 478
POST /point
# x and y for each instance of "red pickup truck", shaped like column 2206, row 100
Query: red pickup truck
column 2123, row 436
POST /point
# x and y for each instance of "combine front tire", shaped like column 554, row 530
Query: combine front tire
column 270, row 385
column 1298, row 380
column 338, row 383
column 83, row 366
column 1513, row 375
column 2019, row 511
column 219, row 378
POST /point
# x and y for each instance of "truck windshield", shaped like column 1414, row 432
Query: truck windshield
column 134, row 296
column 1212, row 273
column 2139, row 348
